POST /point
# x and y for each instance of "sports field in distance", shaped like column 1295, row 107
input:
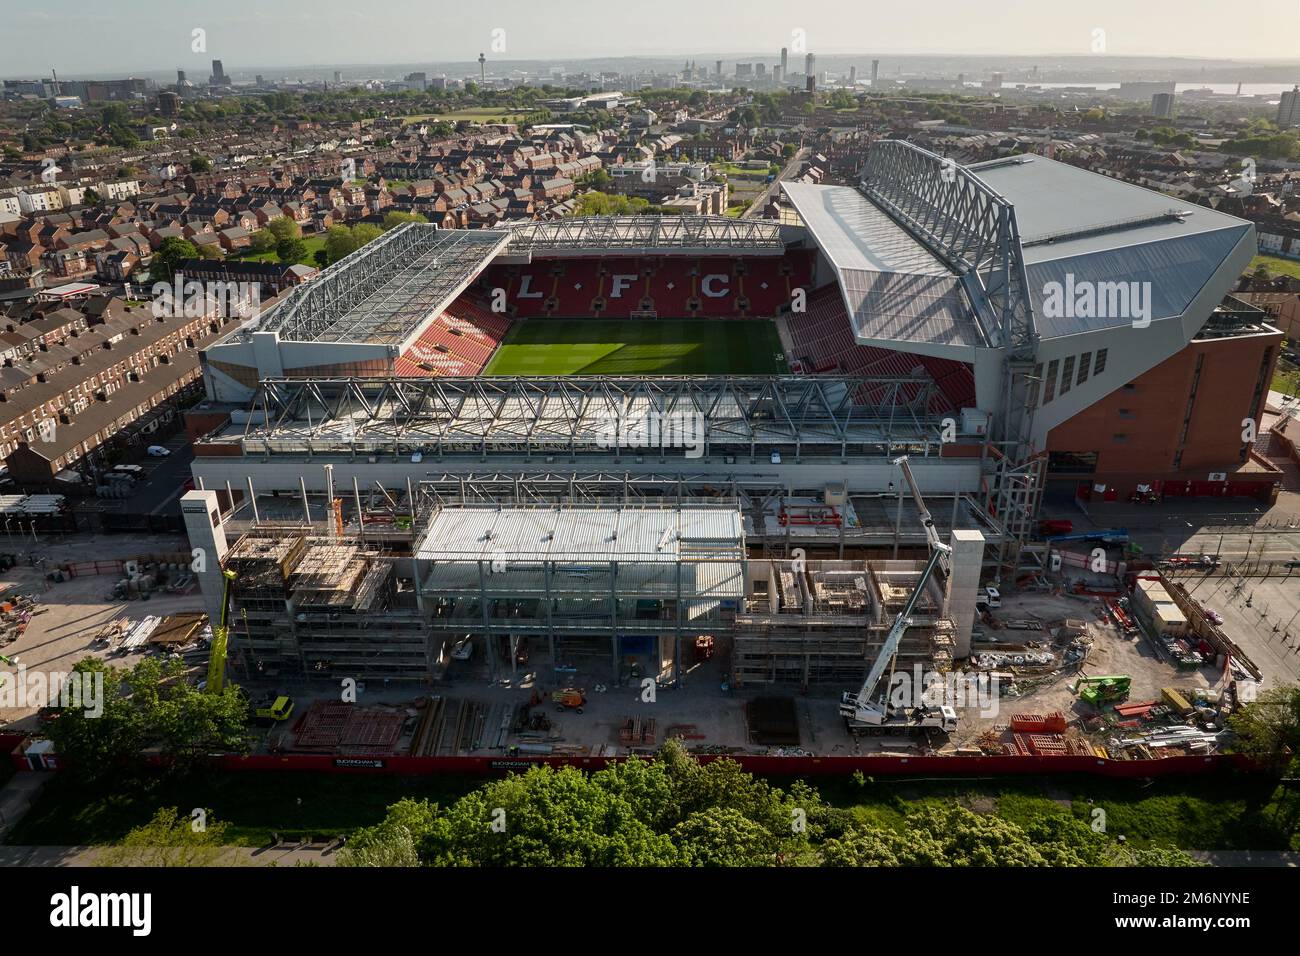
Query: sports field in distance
column 639, row 347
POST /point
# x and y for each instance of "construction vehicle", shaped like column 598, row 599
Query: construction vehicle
column 1103, row 690
column 571, row 698
column 220, row 639
column 274, row 708
column 863, row 712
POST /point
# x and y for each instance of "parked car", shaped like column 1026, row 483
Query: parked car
column 158, row 451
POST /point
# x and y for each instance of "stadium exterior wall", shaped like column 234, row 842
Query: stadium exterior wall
column 1214, row 379
column 1131, row 351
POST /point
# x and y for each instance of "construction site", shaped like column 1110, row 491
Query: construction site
column 579, row 624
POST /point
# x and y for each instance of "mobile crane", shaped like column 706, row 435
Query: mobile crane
column 863, row 712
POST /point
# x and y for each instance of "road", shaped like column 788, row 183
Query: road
column 761, row 203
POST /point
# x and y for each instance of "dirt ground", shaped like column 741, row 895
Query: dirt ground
column 73, row 611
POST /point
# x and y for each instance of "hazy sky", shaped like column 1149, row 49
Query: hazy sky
column 95, row 36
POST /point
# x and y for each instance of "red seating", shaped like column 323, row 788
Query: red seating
column 458, row 342
column 669, row 286
column 824, row 345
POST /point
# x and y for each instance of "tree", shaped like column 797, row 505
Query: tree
column 262, row 241
column 93, row 748
column 282, row 227
column 339, row 242
column 169, row 839
column 1268, row 728
column 606, row 204
column 152, row 704
column 200, row 164
column 547, row 817
column 291, row 250
column 724, row 837
column 395, row 218
column 91, row 198
column 171, row 252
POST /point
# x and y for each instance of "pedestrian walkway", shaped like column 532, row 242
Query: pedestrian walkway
column 84, row 856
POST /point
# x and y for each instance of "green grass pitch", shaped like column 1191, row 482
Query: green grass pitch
column 640, row 347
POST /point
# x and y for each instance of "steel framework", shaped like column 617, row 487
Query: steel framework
column 382, row 292
column 964, row 223
column 798, row 414
column 973, row 229
column 682, row 234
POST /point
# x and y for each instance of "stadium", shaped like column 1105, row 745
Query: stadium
column 911, row 313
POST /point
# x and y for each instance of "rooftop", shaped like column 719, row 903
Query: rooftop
column 1081, row 227
column 384, row 292
column 579, row 534
column 895, row 289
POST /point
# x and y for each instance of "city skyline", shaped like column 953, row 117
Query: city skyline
column 246, row 35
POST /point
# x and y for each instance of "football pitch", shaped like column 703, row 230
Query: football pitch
column 640, row 347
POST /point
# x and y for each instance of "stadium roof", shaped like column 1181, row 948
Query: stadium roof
column 700, row 235
column 896, row 290
column 1097, row 229
column 385, row 291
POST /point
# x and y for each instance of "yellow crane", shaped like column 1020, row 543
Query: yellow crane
column 220, row 639
column 276, row 707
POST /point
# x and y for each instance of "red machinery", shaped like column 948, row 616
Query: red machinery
column 814, row 515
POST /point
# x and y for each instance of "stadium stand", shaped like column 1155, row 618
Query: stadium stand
column 459, row 342
column 665, row 286
column 823, row 344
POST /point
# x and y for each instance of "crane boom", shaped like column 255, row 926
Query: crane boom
column 220, row 639
column 861, row 709
column 927, row 520
column 895, row 637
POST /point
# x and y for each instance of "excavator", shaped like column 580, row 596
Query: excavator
column 275, row 707
column 864, row 712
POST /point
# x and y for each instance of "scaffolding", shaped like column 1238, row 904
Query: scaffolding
column 604, row 584
column 824, row 622
column 314, row 607
column 702, row 235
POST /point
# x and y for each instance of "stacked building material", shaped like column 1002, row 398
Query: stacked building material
column 1053, row 723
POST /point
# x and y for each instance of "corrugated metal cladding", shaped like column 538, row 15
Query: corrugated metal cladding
column 854, row 234
column 894, row 288
column 1170, row 273
column 1052, row 199
column 577, row 534
column 889, row 306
